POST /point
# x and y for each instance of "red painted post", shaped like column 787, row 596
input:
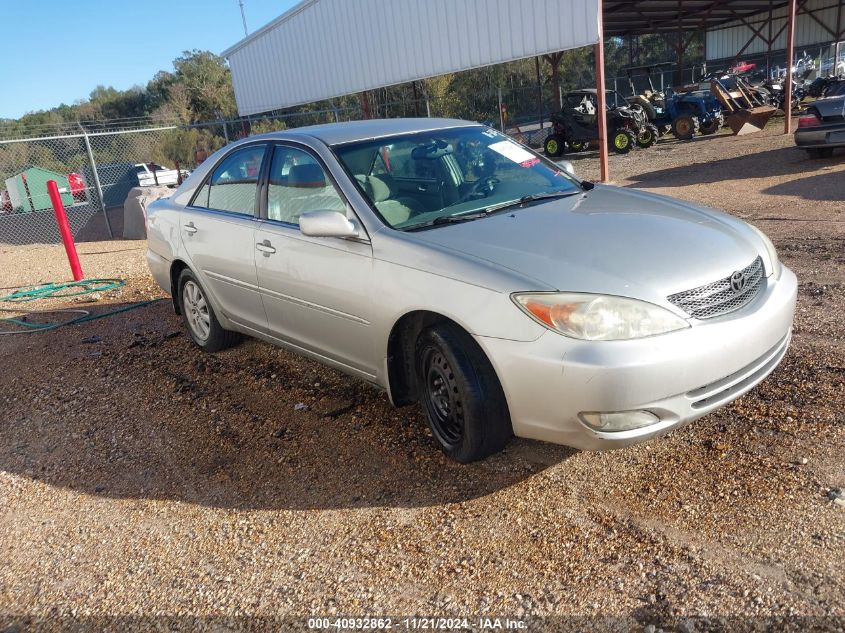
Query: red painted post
column 64, row 230
column 790, row 59
column 600, row 99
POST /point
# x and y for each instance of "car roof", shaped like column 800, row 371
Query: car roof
column 351, row 131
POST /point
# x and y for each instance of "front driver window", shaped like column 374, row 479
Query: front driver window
column 298, row 184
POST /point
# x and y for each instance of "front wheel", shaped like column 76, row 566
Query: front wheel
column 199, row 318
column 710, row 126
column 554, row 145
column 461, row 395
column 622, row 141
column 820, row 152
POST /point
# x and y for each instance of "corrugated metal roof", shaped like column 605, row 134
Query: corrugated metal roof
column 626, row 17
column 726, row 41
column 326, row 48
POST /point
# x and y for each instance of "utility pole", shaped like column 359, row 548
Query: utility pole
column 243, row 16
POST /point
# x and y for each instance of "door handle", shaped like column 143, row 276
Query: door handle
column 190, row 228
column 422, row 187
column 265, row 247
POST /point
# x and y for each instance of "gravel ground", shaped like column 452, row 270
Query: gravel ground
column 145, row 484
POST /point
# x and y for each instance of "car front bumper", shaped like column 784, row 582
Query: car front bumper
column 678, row 377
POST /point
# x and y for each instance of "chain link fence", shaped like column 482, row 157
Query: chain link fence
column 96, row 167
column 95, row 172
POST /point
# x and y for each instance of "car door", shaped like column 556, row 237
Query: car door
column 218, row 232
column 316, row 291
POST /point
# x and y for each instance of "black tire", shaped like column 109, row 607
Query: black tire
column 460, row 394
column 622, row 141
column 684, row 127
column 196, row 310
column 820, row 152
column 647, row 136
column 554, row 145
column 710, row 127
column 578, row 146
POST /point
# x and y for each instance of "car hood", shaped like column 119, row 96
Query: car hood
column 608, row 240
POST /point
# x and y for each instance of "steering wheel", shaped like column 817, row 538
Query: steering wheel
column 481, row 188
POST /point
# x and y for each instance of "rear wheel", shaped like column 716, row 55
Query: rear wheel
column 577, row 146
column 820, row 152
column 684, row 127
column 622, row 141
column 461, row 395
column 199, row 318
column 647, row 136
column 554, row 145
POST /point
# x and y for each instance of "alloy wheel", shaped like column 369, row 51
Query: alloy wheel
column 196, row 310
column 621, row 140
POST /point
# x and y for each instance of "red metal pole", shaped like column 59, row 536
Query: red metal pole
column 365, row 104
column 600, row 99
column 64, row 230
column 790, row 55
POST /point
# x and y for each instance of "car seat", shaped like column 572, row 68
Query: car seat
column 382, row 191
column 304, row 190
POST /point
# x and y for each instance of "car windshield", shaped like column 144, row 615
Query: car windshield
column 428, row 178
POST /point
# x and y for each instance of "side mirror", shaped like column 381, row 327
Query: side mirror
column 327, row 224
column 567, row 167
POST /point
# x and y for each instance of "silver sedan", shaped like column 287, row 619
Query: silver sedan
column 451, row 266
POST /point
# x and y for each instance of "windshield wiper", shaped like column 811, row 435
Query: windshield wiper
column 483, row 213
column 448, row 219
column 533, row 197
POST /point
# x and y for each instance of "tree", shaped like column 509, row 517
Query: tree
column 208, row 83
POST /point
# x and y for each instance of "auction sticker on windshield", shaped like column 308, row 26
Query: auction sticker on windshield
column 514, row 152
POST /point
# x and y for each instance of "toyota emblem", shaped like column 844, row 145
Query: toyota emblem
column 738, row 281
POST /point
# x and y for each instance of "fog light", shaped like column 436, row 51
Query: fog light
column 620, row 421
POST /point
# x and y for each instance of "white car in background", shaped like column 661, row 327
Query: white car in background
column 154, row 175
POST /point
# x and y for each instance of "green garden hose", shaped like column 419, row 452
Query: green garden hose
column 59, row 290
column 66, row 289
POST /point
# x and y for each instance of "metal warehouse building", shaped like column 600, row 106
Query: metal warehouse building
column 326, row 48
column 818, row 23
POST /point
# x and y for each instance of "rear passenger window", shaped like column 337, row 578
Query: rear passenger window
column 233, row 183
column 298, row 184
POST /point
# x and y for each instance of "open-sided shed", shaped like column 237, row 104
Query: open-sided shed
column 322, row 49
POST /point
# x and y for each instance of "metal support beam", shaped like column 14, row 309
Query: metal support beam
column 601, row 99
column 96, row 176
column 790, row 57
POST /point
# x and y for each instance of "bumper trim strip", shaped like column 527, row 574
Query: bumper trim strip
column 729, row 386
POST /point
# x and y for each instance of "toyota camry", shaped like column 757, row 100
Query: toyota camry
column 451, row 266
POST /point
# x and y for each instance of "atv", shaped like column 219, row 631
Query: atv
column 576, row 125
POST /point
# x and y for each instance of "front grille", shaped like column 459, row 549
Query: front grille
column 718, row 298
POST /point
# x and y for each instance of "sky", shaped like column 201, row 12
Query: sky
column 64, row 50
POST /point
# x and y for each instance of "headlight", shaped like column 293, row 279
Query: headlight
column 770, row 248
column 598, row 317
